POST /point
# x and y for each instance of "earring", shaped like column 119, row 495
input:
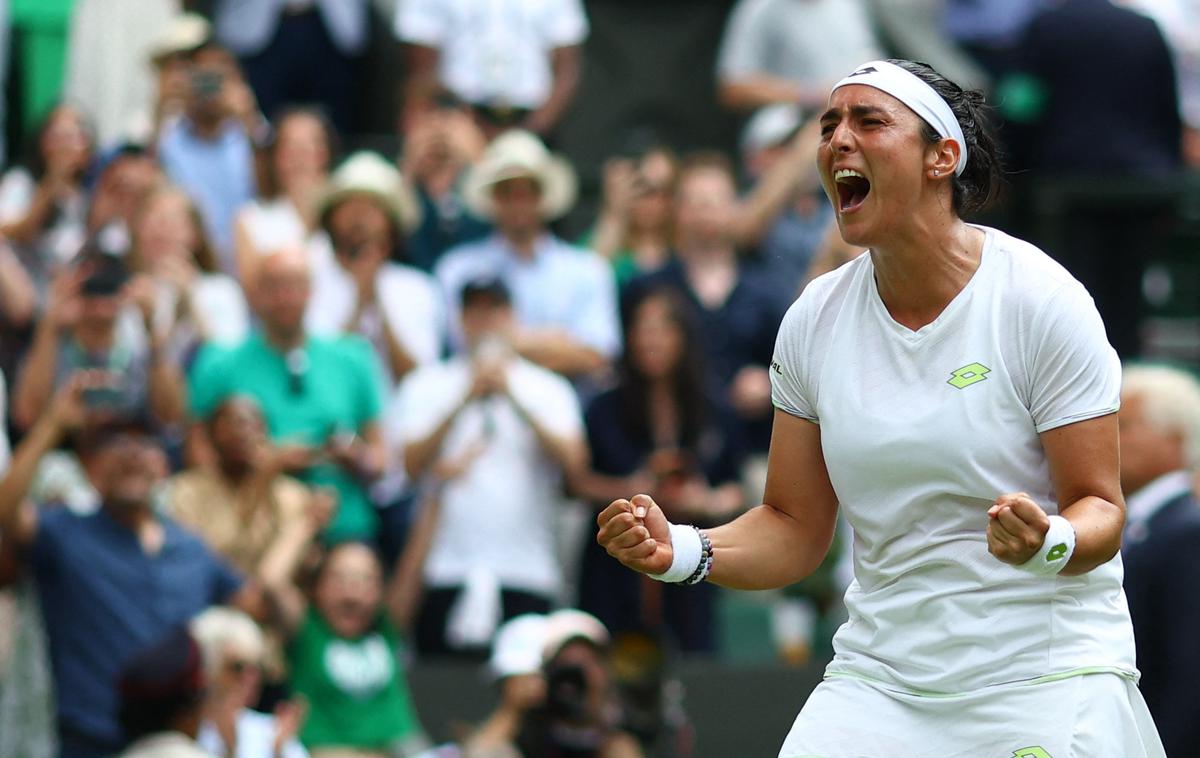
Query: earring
column 937, row 173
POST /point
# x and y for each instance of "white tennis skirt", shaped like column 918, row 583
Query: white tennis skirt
column 1087, row 716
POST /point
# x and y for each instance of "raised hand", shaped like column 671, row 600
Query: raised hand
column 1017, row 528
column 637, row 534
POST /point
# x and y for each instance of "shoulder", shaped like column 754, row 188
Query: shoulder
column 828, row 291
column 348, row 347
column 403, row 277
column 535, row 377
column 464, row 255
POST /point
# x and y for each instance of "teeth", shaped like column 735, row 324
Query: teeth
column 845, row 173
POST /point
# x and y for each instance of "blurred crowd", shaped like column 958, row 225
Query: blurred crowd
column 288, row 414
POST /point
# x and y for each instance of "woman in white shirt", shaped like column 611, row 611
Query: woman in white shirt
column 43, row 205
column 954, row 392
column 298, row 167
column 195, row 302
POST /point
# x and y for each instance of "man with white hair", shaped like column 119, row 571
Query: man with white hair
column 1160, row 448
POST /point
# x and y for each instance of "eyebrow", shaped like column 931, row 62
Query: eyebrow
column 857, row 111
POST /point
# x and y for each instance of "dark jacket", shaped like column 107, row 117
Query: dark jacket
column 1162, row 582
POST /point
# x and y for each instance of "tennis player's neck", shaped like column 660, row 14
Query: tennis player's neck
column 919, row 275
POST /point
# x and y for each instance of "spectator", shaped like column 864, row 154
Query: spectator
column 298, row 53
column 258, row 519
column 440, row 142
column 368, row 212
column 88, row 324
column 194, row 302
column 1160, row 452
column 125, row 179
column 232, row 648
column 320, row 396
column 131, row 573
column 737, row 308
column 514, row 430
column 580, row 714
column 634, row 229
column 209, row 152
column 516, row 664
column 43, row 204
column 348, row 662
column 659, row 431
column 790, row 237
column 1134, row 134
column 298, row 168
column 515, row 63
column 162, row 690
column 784, row 51
column 913, row 30
column 108, row 63
column 171, row 55
column 564, row 301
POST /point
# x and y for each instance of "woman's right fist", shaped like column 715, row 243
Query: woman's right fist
column 637, row 534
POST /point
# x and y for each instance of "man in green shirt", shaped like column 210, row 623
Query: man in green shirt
column 321, row 396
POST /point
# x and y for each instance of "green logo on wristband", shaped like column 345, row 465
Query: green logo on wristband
column 1030, row 752
column 1056, row 552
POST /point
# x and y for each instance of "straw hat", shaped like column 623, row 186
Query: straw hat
column 367, row 173
column 183, row 34
column 515, row 154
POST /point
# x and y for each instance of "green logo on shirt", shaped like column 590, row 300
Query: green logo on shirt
column 1030, row 752
column 968, row 375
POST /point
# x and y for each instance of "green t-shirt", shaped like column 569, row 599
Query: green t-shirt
column 356, row 693
column 340, row 392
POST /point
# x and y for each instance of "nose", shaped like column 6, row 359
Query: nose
column 842, row 139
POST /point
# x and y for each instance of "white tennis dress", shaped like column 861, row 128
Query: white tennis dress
column 921, row 431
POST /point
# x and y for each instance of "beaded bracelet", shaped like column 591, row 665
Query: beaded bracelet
column 706, row 559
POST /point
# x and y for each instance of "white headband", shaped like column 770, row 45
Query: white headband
column 916, row 94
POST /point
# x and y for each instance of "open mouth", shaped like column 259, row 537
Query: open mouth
column 852, row 189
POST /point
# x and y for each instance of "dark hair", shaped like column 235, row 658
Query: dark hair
column 980, row 181
column 159, row 685
column 687, row 380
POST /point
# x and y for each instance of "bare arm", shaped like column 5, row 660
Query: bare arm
column 1084, row 468
column 404, row 591
column 16, row 290
column 564, row 62
column 776, row 544
column 570, row 453
column 27, row 228
column 420, row 454
column 558, row 351
column 422, row 81
column 779, row 186
column 833, row 252
column 35, row 382
column 752, row 92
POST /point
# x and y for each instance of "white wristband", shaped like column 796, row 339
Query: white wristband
column 688, row 550
column 1056, row 550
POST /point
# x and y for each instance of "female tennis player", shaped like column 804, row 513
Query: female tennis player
column 954, row 391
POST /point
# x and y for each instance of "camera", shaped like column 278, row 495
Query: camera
column 207, row 84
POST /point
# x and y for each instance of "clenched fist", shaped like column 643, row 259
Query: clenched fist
column 637, row 534
column 1017, row 528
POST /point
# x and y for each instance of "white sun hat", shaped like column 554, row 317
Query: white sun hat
column 184, row 33
column 516, row 154
column 368, row 173
column 517, row 646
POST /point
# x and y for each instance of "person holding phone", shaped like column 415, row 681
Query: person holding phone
column 518, row 426
column 87, row 326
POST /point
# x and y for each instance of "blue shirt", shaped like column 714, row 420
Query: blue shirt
column 104, row 600
column 218, row 174
column 560, row 286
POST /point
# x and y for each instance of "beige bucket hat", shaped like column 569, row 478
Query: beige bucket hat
column 515, row 154
column 368, row 173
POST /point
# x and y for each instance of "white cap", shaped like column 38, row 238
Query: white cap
column 517, row 646
column 570, row 624
column 771, row 125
